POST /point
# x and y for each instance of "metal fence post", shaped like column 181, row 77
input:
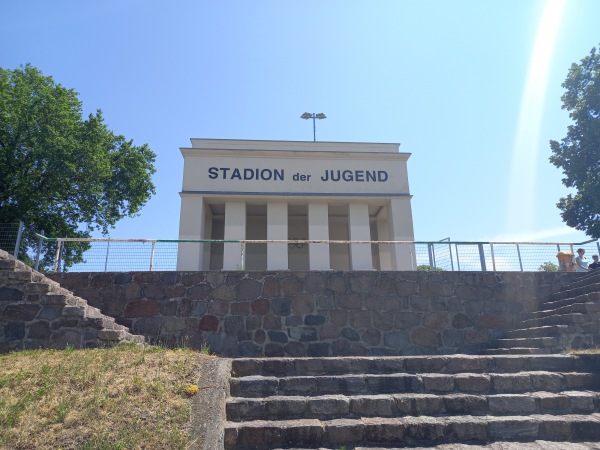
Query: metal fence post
column 39, row 252
column 481, row 257
column 429, row 251
column 457, row 258
column 519, row 254
column 243, row 250
column 106, row 258
column 152, row 256
column 57, row 257
column 18, row 243
column 493, row 259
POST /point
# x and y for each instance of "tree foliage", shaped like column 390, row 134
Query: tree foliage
column 578, row 154
column 59, row 171
column 428, row 268
column 548, row 266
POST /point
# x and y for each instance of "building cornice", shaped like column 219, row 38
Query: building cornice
column 304, row 146
column 289, row 154
column 295, row 194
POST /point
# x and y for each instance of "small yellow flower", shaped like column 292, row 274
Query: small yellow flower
column 191, row 389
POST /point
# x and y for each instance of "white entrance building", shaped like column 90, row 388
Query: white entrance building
column 284, row 190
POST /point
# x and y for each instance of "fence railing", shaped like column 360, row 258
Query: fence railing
column 109, row 255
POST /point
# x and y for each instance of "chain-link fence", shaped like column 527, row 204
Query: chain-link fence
column 9, row 236
column 116, row 255
column 498, row 256
column 28, row 244
column 147, row 255
column 124, row 255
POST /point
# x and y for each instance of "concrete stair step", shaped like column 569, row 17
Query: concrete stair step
column 136, row 338
column 535, row 342
column 369, row 384
column 62, row 299
column 56, row 299
column 500, row 445
column 559, row 319
column 584, row 280
column 565, row 319
column 584, row 288
column 549, row 330
column 33, row 283
column 585, row 298
column 38, row 277
column 119, row 336
column 86, row 325
column 397, row 405
column 409, row 431
column 285, row 367
column 112, row 335
column 19, row 276
column 585, row 308
column 518, row 351
column 585, row 340
column 107, row 323
column 93, row 312
column 8, row 264
column 534, row 323
column 39, row 288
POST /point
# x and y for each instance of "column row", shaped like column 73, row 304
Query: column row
column 393, row 222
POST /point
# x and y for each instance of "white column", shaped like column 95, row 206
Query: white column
column 383, row 234
column 358, row 222
column 401, row 229
column 235, row 228
column 208, row 224
column 318, row 228
column 277, row 229
column 190, row 255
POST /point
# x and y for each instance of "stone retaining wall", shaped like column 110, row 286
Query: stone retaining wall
column 318, row 313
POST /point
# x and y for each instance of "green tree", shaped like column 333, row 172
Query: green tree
column 59, row 171
column 578, row 154
column 548, row 266
column 428, row 268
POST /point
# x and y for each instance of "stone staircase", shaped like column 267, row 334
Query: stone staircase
column 35, row 312
column 568, row 319
column 412, row 401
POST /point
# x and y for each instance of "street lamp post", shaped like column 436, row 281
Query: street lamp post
column 313, row 116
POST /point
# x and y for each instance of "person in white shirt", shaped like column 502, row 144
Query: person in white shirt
column 580, row 264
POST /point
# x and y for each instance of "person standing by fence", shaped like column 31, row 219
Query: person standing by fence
column 595, row 265
column 580, row 264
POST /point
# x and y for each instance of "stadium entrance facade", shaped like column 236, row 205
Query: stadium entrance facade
column 288, row 190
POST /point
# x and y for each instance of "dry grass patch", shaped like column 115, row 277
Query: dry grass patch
column 587, row 351
column 118, row 398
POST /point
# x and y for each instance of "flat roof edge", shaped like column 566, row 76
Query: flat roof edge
column 309, row 146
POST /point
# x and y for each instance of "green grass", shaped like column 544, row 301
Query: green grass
column 124, row 397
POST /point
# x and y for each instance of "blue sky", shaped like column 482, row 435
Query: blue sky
column 449, row 80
